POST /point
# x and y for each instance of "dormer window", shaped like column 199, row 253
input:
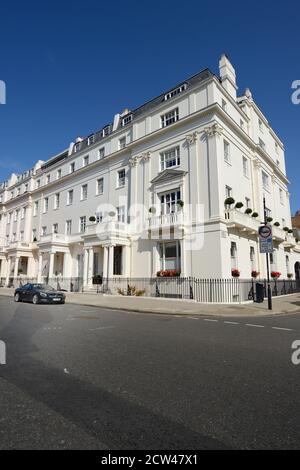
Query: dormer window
column 127, row 119
column 77, row 147
column 91, row 139
column 105, row 131
column 175, row 92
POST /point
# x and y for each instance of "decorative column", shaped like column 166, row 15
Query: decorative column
column 51, row 265
column 28, row 220
column 91, row 266
column 17, row 259
column 40, row 268
column 8, row 271
column 214, row 179
column 111, row 261
column 85, row 266
column 105, row 261
column 67, row 265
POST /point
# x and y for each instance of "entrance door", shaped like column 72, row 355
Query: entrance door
column 118, row 260
column 297, row 271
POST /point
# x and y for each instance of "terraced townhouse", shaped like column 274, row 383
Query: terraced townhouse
column 153, row 191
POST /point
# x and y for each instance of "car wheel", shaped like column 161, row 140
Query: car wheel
column 62, row 302
column 17, row 297
column 35, row 299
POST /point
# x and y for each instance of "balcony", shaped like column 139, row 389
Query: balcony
column 105, row 230
column 57, row 239
column 166, row 221
column 241, row 221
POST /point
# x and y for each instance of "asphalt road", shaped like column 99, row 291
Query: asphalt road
column 89, row 378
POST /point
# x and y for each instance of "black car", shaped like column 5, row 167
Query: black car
column 39, row 293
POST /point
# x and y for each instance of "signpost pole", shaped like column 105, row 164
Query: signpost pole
column 268, row 265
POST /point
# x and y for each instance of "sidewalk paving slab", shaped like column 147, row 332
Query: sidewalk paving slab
column 281, row 305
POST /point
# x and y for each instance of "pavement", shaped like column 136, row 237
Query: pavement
column 80, row 377
column 281, row 305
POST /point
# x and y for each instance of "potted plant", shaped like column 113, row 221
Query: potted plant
column 248, row 211
column 290, row 275
column 275, row 274
column 254, row 215
column 97, row 279
column 229, row 201
column 254, row 274
column 286, row 229
column 180, row 203
column 34, row 239
column 152, row 210
column 269, row 219
column 111, row 214
column 290, row 231
column 239, row 205
column 92, row 218
column 277, row 224
column 235, row 272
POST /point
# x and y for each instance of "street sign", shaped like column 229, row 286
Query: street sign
column 265, row 239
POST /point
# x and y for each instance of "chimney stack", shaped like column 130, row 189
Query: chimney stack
column 228, row 77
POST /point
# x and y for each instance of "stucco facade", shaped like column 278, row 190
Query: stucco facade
column 155, row 180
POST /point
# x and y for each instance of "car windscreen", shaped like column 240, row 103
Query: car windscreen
column 42, row 287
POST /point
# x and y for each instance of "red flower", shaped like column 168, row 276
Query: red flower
column 275, row 274
column 255, row 274
column 235, row 273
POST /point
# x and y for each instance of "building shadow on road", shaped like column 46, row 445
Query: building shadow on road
column 115, row 422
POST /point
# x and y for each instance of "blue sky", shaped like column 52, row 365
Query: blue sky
column 70, row 66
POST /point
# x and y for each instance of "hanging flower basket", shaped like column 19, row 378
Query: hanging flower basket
column 254, row 274
column 254, row 215
column 275, row 274
column 235, row 273
column 248, row 211
column 239, row 205
column 290, row 275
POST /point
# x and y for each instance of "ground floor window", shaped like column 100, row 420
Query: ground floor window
column 233, row 255
column 170, row 255
column 118, row 260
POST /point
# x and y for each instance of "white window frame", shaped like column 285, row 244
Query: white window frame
column 169, row 156
column 45, row 205
column 84, row 192
column 70, row 197
column 265, row 180
column 121, row 214
column 68, row 228
column 227, row 152
column 162, row 255
column 82, row 224
column 121, row 180
column 168, row 201
column 85, row 161
column 245, row 166
column 72, row 168
column 99, row 183
column 122, row 143
column 56, row 201
column 170, row 117
column 101, row 153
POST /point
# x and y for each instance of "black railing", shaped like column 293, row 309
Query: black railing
column 233, row 290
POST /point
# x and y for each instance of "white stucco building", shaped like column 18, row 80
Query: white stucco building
column 198, row 144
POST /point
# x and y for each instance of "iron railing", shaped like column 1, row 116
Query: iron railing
column 234, row 290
